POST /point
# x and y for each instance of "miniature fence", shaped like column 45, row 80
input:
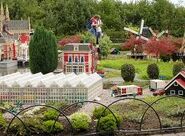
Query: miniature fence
column 119, row 131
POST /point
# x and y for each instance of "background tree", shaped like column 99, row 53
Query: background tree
column 43, row 51
column 153, row 71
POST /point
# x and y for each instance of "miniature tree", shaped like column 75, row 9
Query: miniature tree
column 134, row 44
column 43, row 51
column 105, row 44
column 160, row 47
column 153, row 71
column 128, row 72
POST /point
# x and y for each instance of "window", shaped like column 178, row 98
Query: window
column 172, row 92
column 75, row 48
column 81, row 69
column 70, row 59
column 82, row 59
column 180, row 92
column 175, row 84
column 76, row 59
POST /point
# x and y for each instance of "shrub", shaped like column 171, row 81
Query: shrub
column 128, row 72
column 177, row 68
column 80, row 121
column 153, row 71
column 2, row 121
column 47, row 126
column 105, row 44
column 50, row 114
column 98, row 112
column 165, row 58
column 108, row 123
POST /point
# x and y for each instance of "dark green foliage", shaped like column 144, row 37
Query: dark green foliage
column 153, row 71
column 128, row 72
column 99, row 112
column 47, row 126
column 177, row 68
column 43, row 51
column 108, row 123
column 165, row 58
column 50, row 114
column 80, row 121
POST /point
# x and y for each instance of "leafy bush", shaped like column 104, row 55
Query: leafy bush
column 80, row 121
column 87, row 37
column 177, row 68
column 105, row 44
column 99, row 112
column 2, row 121
column 153, row 71
column 108, row 123
column 128, row 72
column 47, row 126
column 50, row 114
column 165, row 58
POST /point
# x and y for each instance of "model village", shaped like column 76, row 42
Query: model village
column 85, row 71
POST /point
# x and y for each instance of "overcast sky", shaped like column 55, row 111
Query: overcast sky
column 178, row 2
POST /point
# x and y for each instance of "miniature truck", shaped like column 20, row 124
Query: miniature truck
column 127, row 90
column 157, row 84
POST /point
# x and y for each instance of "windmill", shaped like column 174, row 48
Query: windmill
column 145, row 32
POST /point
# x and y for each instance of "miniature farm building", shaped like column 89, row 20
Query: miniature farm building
column 38, row 88
column 79, row 58
column 156, row 84
column 176, row 86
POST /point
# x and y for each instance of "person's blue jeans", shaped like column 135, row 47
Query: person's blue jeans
column 98, row 34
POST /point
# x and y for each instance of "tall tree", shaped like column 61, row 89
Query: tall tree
column 43, row 51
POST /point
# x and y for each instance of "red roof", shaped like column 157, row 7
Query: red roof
column 181, row 82
column 183, row 72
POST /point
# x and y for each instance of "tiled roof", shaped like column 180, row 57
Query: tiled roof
column 18, row 25
column 81, row 46
column 181, row 82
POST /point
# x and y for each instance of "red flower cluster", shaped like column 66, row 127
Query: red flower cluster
column 70, row 39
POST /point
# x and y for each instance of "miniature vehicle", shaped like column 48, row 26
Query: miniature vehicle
column 156, row 84
column 158, row 92
column 127, row 90
column 101, row 73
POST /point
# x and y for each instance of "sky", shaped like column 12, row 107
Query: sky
column 177, row 2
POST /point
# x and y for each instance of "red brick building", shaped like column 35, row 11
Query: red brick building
column 79, row 58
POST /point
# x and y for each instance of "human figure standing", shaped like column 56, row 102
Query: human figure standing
column 98, row 28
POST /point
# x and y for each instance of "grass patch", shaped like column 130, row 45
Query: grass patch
column 140, row 66
column 111, row 74
column 170, row 110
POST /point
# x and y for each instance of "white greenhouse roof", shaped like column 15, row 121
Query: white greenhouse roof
column 49, row 80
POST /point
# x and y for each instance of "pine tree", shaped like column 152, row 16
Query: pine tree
column 43, row 51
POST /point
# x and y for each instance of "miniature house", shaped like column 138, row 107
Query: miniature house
column 38, row 88
column 79, row 58
column 10, row 44
column 176, row 86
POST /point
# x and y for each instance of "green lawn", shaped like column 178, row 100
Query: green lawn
column 140, row 66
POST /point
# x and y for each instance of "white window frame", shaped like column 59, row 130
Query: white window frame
column 180, row 92
column 172, row 91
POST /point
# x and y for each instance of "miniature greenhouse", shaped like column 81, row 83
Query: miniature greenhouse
column 38, row 88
